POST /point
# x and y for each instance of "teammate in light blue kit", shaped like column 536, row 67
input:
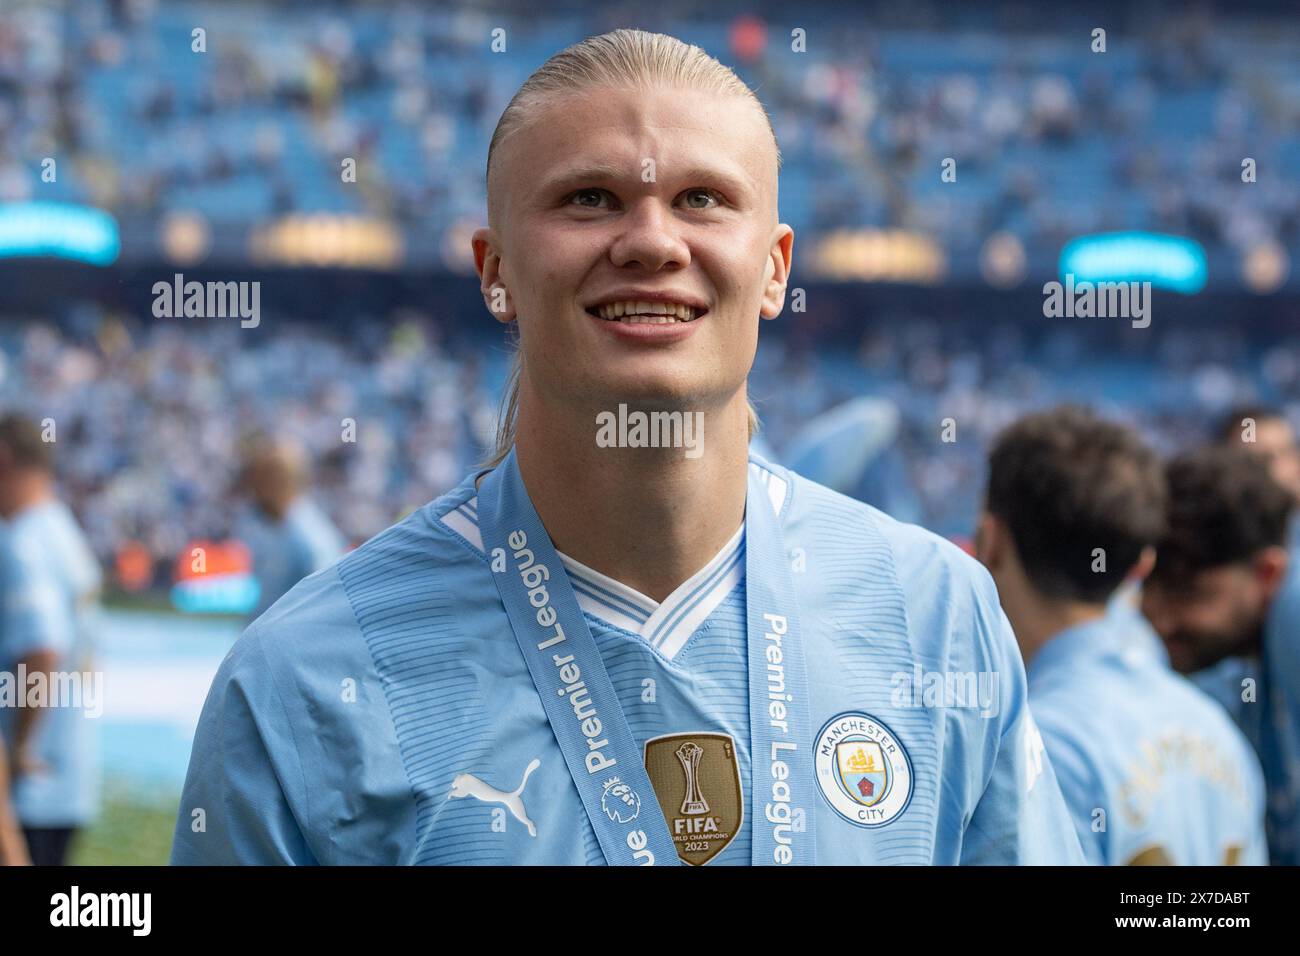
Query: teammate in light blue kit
column 290, row 537
column 1153, row 769
column 49, row 586
column 383, row 711
column 1225, row 597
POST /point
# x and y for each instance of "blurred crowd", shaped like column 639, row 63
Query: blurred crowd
column 156, row 419
column 1051, row 139
column 389, row 413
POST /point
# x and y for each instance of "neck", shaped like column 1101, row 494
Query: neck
column 647, row 517
column 27, row 492
column 276, row 508
column 1037, row 620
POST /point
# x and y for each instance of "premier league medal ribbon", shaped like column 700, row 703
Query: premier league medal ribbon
column 779, row 724
column 576, row 692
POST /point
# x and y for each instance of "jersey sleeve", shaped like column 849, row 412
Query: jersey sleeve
column 1021, row 817
column 245, row 787
column 33, row 618
column 1080, row 787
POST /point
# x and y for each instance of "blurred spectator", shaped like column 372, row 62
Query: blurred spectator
column 289, row 536
column 49, row 589
column 258, row 124
column 1266, row 433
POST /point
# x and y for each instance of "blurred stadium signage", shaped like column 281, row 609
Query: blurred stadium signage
column 215, row 577
column 1167, row 262
column 879, row 255
column 355, row 242
column 61, row 230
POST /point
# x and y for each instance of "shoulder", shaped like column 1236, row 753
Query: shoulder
column 948, row 595
column 913, row 549
column 29, row 559
column 320, row 618
column 1203, row 713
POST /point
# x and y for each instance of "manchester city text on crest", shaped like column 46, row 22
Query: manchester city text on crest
column 863, row 769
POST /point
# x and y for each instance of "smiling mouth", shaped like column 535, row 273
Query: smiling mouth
column 647, row 313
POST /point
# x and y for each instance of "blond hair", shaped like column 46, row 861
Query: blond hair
column 619, row 59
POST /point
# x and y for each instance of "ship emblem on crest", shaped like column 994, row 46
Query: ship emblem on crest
column 864, row 773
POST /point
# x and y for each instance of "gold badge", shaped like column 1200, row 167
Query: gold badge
column 697, row 781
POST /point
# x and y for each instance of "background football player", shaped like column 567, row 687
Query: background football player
column 1225, row 597
column 1153, row 770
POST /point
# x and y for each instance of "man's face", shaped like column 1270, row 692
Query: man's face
column 1275, row 444
column 609, row 193
column 1218, row 613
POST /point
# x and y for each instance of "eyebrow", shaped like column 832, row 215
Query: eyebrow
column 587, row 174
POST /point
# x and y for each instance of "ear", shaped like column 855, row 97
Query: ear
column 487, row 263
column 776, row 273
column 1145, row 563
column 1269, row 568
column 990, row 540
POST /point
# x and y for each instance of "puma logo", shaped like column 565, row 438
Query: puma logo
column 468, row 785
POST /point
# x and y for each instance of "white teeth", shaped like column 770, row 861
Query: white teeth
column 647, row 313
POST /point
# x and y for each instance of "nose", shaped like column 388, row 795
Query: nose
column 650, row 238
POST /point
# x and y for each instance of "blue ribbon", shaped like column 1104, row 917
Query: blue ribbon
column 583, row 708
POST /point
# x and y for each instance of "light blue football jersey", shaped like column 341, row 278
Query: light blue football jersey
column 285, row 552
column 1262, row 694
column 49, row 586
column 382, row 712
column 1152, row 769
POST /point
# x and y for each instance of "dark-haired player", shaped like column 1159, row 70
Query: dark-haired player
column 1152, row 768
column 49, row 583
column 1225, row 597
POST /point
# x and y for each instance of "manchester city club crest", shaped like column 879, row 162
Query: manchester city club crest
column 863, row 769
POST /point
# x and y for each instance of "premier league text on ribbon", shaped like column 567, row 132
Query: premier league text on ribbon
column 534, row 577
column 777, row 810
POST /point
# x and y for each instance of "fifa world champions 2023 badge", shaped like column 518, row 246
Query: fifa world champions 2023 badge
column 863, row 769
column 696, row 778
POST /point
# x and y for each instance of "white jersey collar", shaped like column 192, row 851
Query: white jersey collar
column 666, row 626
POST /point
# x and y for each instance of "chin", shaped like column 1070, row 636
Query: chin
column 652, row 392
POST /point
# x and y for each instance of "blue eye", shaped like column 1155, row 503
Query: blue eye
column 707, row 193
column 597, row 193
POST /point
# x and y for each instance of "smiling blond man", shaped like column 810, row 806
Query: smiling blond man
column 596, row 652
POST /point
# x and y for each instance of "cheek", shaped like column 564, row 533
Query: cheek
column 545, row 261
column 1252, row 604
column 735, row 265
column 1201, row 614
